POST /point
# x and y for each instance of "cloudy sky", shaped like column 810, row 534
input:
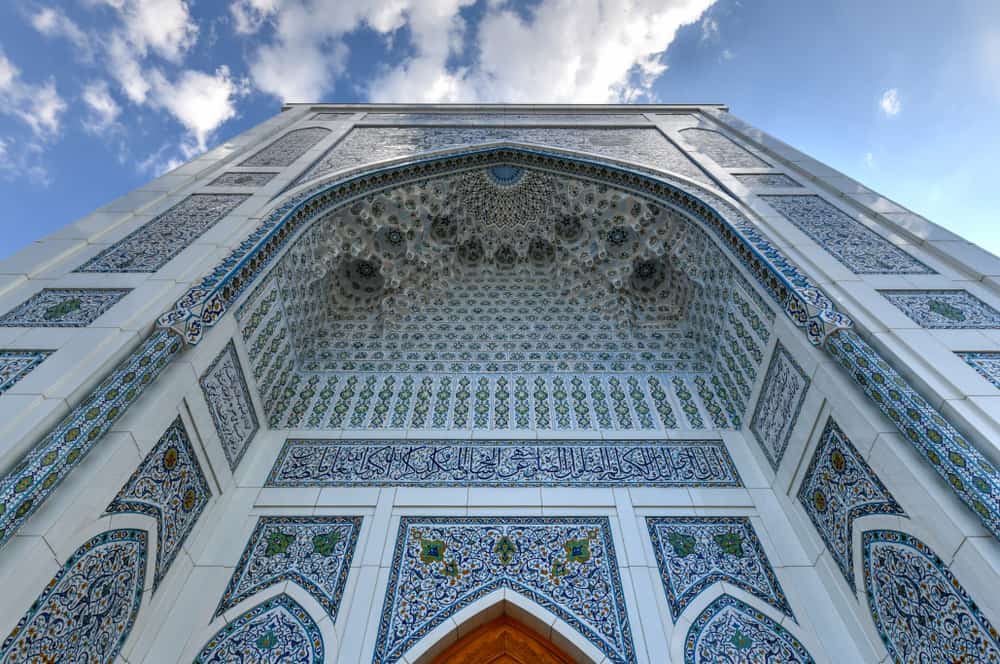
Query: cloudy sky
column 99, row 96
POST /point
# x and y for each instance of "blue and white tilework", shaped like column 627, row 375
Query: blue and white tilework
column 839, row 488
column 944, row 309
column 729, row 630
column 855, row 245
column 309, row 463
column 721, row 149
column 986, row 363
column 63, row 307
column 365, row 145
column 765, row 180
column 152, row 245
column 16, row 364
column 693, row 553
column 779, row 404
column 170, row 487
column 920, row 609
column 285, row 150
column 505, row 118
column 230, row 405
column 567, row 565
column 278, row 630
column 312, row 551
column 86, row 612
column 242, row 179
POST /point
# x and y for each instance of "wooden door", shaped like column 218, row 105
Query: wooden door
column 503, row 641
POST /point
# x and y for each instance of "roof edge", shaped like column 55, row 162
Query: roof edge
column 513, row 108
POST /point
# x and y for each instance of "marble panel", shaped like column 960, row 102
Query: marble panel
column 694, row 553
column 63, row 307
column 285, row 150
column 229, row 402
column 16, row 364
column 87, row 611
column 240, row 179
column 839, row 487
column 920, row 609
column 169, row 486
column 986, row 363
column 567, row 565
column 852, row 243
column 779, row 404
column 501, row 463
column 152, row 245
column 721, row 149
column 314, row 552
column 944, row 309
column 278, row 630
column 729, row 630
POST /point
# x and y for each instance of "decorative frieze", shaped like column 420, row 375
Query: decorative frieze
column 944, row 309
column 986, row 363
column 230, row 405
column 852, row 243
column 63, row 307
column 839, row 487
column 169, row 486
column 16, row 364
column 87, row 610
column 309, row 463
column 729, row 630
column 505, row 118
column 765, row 180
column 284, row 151
column 242, row 179
column 567, row 565
column 779, row 404
column 721, row 149
column 312, row 551
column 694, row 553
column 278, row 630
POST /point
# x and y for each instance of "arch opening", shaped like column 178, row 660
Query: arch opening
column 503, row 641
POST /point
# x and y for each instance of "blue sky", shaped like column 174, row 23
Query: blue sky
column 99, row 96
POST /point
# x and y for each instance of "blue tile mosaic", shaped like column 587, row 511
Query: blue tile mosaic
column 155, row 243
column 721, row 149
column 729, row 630
column 63, row 307
column 567, row 565
column 852, row 243
column 86, row 612
column 285, row 150
column 765, row 180
column 242, row 179
column 839, row 487
column 311, row 462
column 944, row 309
column 229, row 402
column 779, row 404
column 694, row 553
column 16, row 364
column 278, row 630
column 986, row 363
column 920, row 609
column 314, row 552
column 169, row 486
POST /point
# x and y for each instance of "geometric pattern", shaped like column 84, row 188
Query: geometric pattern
column 278, row 630
column 313, row 551
column 87, row 610
column 721, row 149
column 152, row 245
column 838, row 488
column 366, row 145
column 242, row 179
column 986, row 363
column 944, row 309
column 16, row 364
column 760, row 180
column 502, row 118
column 26, row 487
column 328, row 463
column 855, row 245
column 779, row 404
column 920, row 609
column 693, row 553
column 284, row 151
column 63, row 307
column 729, row 630
column 170, row 487
column 229, row 402
column 567, row 565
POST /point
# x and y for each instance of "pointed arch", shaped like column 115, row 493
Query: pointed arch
column 731, row 630
column 277, row 630
column 502, row 641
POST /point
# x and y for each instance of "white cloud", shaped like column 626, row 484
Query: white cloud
column 104, row 110
column 890, row 102
column 249, row 15
column 21, row 161
column 709, row 29
column 164, row 27
column 39, row 105
column 870, row 160
column 54, row 23
column 200, row 102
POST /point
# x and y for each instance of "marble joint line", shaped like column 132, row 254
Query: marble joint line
column 497, row 463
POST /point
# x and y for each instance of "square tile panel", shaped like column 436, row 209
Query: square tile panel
column 944, row 309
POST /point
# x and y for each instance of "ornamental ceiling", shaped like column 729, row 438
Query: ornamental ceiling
column 505, row 272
